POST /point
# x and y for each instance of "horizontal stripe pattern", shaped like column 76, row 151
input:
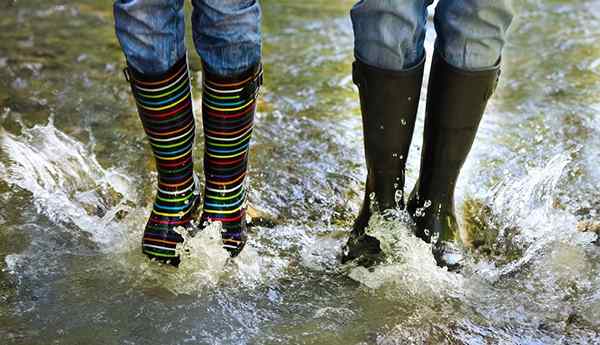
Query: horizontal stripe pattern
column 165, row 109
column 228, row 109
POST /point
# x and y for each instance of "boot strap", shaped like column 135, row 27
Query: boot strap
column 251, row 88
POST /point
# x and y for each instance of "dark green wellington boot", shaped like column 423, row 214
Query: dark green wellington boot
column 389, row 101
column 164, row 104
column 456, row 100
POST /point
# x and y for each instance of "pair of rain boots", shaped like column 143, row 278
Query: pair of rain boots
column 164, row 105
column 456, row 101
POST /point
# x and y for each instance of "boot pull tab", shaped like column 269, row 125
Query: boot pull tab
column 126, row 74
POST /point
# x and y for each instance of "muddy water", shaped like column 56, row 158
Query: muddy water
column 76, row 185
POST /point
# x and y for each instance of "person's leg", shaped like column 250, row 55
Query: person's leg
column 472, row 33
column 388, row 71
column 389, row 34
column 464, row 73
column 227, row 37
column 151, row 35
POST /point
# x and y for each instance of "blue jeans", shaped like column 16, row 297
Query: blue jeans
column 226, row 34
column 470, row 33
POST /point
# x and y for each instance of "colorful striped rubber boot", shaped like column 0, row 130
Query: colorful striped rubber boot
column 164, row 104
column 228, row 107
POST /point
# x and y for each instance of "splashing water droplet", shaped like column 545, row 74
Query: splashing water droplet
column 407, row 263
column 372, row 196
column 399, row 195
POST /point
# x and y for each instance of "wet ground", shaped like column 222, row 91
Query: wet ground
column 76, row 184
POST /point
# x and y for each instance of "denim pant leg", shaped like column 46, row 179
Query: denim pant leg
column 151, row 33
column 472, row 33
column 227, row 35
column 389, row 34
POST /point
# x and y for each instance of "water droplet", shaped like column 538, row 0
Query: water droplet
column 372, row 196
column 398, row 196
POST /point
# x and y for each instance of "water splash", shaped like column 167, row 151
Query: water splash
column 67, row 182
column 409, row 267
column 527, row 203
column 69, row 186
column 202, row 266
column 205, row 264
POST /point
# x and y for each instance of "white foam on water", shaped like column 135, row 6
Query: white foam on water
column 320, row 253
column 65, row 178
column 12, row 261
column 409, row 269
column 206, row 264
column 203, row 261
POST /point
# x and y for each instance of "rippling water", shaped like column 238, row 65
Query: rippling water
column 76, row 184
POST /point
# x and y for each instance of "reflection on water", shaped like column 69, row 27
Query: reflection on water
column 76, row 183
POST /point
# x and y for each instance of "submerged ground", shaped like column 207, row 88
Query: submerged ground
column 76, row 184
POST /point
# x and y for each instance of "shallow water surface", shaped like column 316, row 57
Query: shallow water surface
column 76, row 185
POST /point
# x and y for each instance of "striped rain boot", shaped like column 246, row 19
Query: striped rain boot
column 228, row 106
column 164, row 104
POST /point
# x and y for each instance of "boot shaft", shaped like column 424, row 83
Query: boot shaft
column 164, row 105
column 228, row 107
column 389, row 102
column 456, row 101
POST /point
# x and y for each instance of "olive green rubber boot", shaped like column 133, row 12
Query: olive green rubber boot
column 456, row 101
column 389, row 102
